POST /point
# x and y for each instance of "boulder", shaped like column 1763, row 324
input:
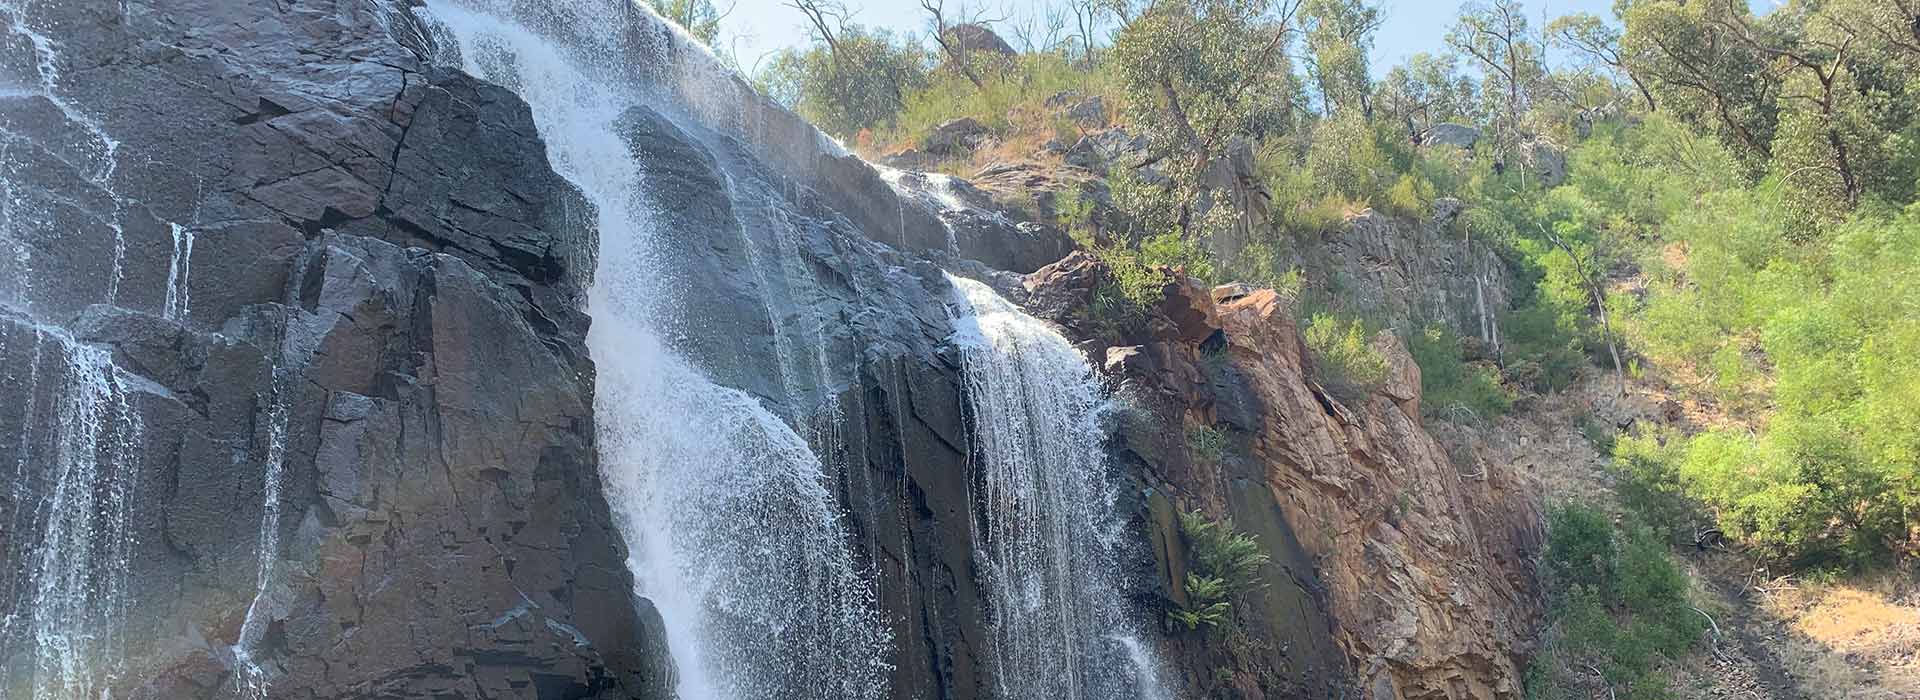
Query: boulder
column 955, row 137
column 1100, row 150
column 1546, row 161
column 971, row 37
column 1090, row 113
column 1455, row 135
column 910, row 159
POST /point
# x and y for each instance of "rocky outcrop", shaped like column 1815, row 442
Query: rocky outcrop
column 970, row 37
column 1546, row 161
column 978, row 224
column 955, row 137
column 1455, row 135
column 1107, row 148
column 1389, row 562
column 1412, row 273
column 339, row 289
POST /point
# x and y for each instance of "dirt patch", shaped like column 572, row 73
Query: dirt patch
column 1856, row 640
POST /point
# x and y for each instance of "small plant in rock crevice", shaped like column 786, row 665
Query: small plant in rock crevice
column 1222, row 562
column 1344, row 360
column 1207, row 444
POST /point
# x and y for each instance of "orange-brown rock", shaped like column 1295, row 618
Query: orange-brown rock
column 1419, row 576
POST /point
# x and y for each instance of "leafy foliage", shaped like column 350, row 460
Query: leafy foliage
column 1223, row 563
column 1344, row 359
column 1206, row 606
column 699, row 17
column 1450, row 387
column 858, row 82
column 1207, row 444
column 1619, row 603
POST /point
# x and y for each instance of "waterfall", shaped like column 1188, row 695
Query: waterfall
column 68, row 515
column 1051, row 540
column 98, row 154
column 731, row 529
column 250, row 679
column 179, row 274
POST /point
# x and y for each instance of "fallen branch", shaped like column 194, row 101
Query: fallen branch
column 1603, row 680
column 1716, row 625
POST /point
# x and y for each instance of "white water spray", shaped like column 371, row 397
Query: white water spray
column 96, row 156
column 250, row 678
column 73, row 518
column 733, row 533
column 179, row 274
column 1052, row 543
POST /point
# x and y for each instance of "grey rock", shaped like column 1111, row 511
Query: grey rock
column 910, row 159
column 1546, row 161
column 955, row 137
column 1061, row 99
column 1101, row 150
column 970, row 37
column 1455, row 135
column 1090, row 113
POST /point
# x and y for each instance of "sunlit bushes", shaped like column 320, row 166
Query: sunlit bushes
column 1450, row 387
column 1619, row 604
column 1344, row 359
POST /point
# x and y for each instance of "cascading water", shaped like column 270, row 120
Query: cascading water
column 250, row 678
column 69, row 508
column 732, row 531
column 69, row 512
column 179, row 274
column 1052, row 542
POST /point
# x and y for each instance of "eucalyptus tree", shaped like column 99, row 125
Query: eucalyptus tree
column 1597, row 43
column 1701, row 72
column 1338, row 35
column 1495, row 35
column 1200, row 74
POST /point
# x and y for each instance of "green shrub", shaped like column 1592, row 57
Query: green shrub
column 1646, row 464
column 1544, row 352
column 1407, row 197
column 1008, row 92
column 1450, row 387
column 1344, row 360
column 1599, row 433
column 1207, row 444
column 1619, row 604
column 860, row 88
column 1207, row 604
column 1222, row 563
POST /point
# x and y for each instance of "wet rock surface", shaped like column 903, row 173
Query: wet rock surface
column 324, row 268
column 376, row 302
column 1394, row 574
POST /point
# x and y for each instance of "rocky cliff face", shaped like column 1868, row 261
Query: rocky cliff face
column 345, row 409
column 320, row 301
column 292, row 328
column 1392, row 569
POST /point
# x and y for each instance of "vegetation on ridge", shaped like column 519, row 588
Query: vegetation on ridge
column 1711, row 202
column 1221, row 563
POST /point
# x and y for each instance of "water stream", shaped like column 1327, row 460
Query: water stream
column 1052, row 545
column 69, row 514
column 732, row 530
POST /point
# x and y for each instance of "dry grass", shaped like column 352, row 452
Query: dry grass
column 1856, row 640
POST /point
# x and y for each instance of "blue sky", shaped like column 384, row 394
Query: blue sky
column 757, row 27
